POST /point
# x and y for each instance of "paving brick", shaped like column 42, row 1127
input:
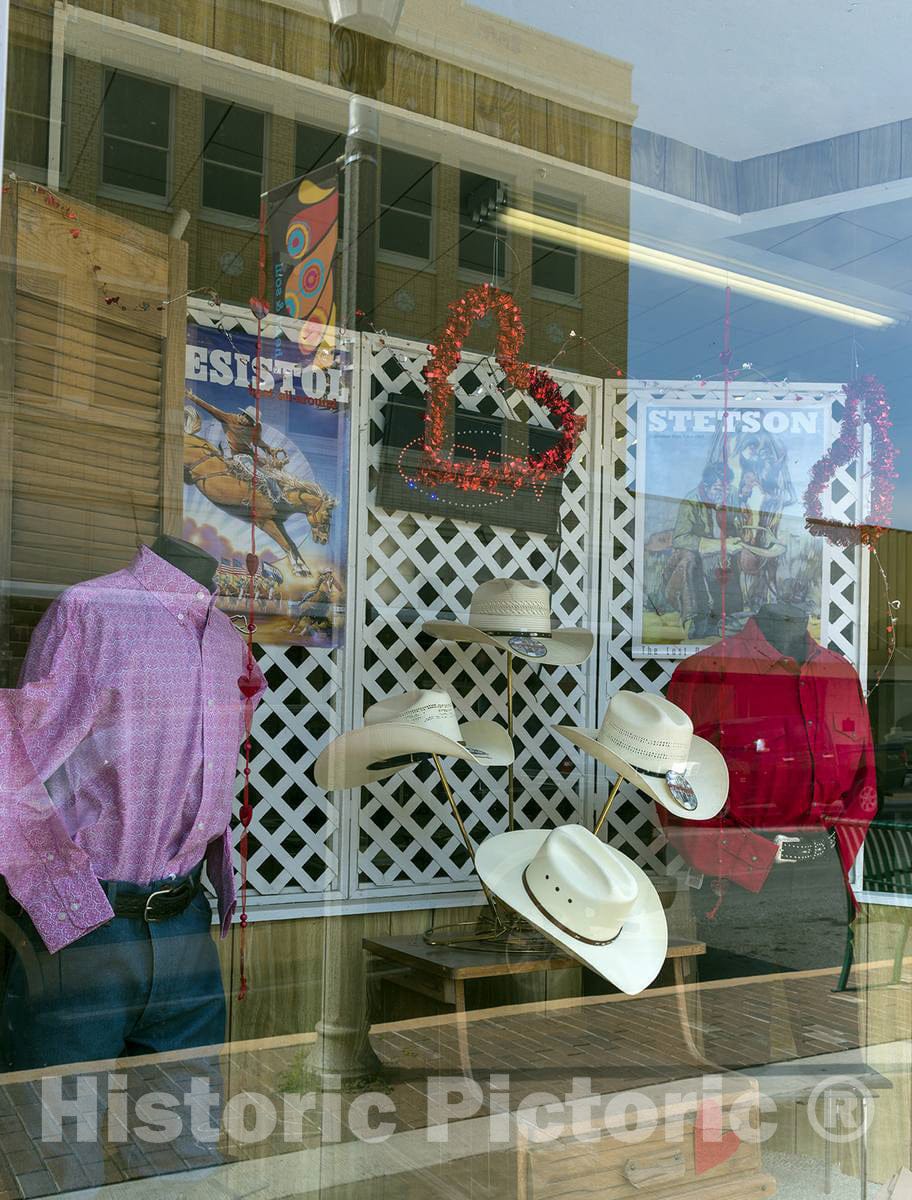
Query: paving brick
column 68, row 1173
column 37, row 1183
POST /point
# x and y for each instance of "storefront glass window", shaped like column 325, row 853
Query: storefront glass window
column 455, row 704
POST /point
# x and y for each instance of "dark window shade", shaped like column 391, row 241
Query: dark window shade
column 136, row 125
column 406, row 193
column 232, row 158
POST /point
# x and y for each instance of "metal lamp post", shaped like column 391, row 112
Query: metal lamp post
column 342, row 1052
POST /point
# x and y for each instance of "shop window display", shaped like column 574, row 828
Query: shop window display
column 453, row 530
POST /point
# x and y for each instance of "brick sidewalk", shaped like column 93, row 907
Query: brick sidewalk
column 617, row 1042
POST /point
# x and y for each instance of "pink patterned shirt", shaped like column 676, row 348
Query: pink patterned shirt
column 119, row 750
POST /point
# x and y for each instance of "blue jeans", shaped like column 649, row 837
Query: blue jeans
column 126, row 988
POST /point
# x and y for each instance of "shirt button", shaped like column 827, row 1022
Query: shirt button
column 50, row 856
column 201, row 595
column 180, row 616
column 74, row 905
column 200, row 825
column 61, row 916
column 209, row 703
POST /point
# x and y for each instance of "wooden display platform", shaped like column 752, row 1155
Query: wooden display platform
column 441, row 972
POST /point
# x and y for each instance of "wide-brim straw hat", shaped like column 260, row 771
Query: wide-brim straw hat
column 587, row 897
column 515, row 615
column 403, row 729
column 649, row 741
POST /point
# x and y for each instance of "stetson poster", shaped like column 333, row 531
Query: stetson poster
column 691, row 480
column 300, row 497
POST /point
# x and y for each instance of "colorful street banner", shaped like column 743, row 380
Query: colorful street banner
column 301, row 496
column 697, row 472
column 302, row 231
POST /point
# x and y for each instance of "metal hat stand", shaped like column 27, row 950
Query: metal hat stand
column 508, row 931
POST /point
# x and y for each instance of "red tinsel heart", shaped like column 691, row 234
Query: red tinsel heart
column 486, row 475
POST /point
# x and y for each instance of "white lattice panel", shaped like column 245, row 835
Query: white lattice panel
column 294, row 844
column 844, row 581
column 395, row 843
column 415, row 567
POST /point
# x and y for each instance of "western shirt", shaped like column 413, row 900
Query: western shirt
column 119, row 749
column 797, row 741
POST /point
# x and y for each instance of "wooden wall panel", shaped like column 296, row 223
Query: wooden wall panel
column 648, row 159
column 454, row 95
column 509, row 115
column 818, row 169
column 758, row 182
column 583, row 138
column 879, row 154
column 307, row 49
column 680, row 169
column 250, row 29
column 716, row 181
column 413, row 81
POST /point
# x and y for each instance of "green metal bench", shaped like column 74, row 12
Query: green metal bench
column 887, row 871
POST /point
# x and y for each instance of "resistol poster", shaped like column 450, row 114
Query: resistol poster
column 299, row 498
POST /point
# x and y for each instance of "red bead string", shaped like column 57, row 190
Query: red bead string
column 487, row 474
column 247, row 682
column 865, row 403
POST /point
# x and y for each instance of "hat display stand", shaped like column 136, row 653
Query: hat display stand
column 499, row 930
column 606, row 807
column 509, row 932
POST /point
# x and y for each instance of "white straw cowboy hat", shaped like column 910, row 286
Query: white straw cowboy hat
column 590, row 899
column 400, row 730
column 515, row 615
column 651, row 742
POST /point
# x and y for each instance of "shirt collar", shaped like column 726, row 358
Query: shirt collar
column 175, row 590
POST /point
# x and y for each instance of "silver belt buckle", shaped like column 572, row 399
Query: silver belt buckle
column 780, row 839
column 161, row 892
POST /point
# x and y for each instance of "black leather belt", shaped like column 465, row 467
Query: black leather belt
column 156, row 903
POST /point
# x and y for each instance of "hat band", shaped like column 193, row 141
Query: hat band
column 530, row 633
column 399, row 760
column 566, row 928
column 653, row 774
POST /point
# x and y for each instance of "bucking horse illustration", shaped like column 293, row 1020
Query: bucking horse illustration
column 228, row 484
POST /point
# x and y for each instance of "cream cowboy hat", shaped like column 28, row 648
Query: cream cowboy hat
column 650, row 741
column 398, row 731
column 590, row 899
column 515, row 615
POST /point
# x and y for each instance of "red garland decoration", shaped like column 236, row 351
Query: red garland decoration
column 485, row 475
column 865, row 403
